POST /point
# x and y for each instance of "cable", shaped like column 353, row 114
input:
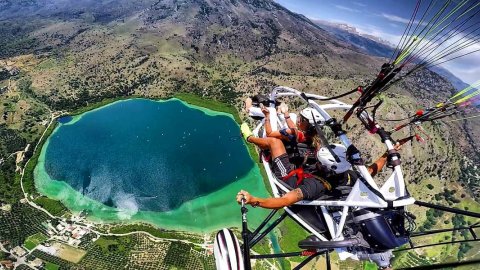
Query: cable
column 451, row 33
column 339, row 96
column 407, row 29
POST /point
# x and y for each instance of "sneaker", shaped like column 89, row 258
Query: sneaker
column 246, row 132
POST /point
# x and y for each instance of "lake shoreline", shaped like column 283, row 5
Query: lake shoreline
column 226, row 109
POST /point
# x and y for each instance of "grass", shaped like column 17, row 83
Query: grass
column 210, row 104
column 292, row 233
column 54, row 207
column 370, row 266
column 104, row 243
column 51, row 266
column 34, row 240
column 28, row 179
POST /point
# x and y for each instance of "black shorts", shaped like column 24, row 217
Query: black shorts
column 281, row 166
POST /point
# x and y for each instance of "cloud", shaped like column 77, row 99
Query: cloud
column 466, row 68
column 359, row 4
column 346, row 8
column 398, row 19
column 395, row 18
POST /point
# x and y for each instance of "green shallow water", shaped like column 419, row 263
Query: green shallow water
column 204, row 213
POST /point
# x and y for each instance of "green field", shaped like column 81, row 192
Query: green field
column 51, row 266
column 34, row 240
column 54, row 207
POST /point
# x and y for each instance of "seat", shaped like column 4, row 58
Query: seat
column 309, row 214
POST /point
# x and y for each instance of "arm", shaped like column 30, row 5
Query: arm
column 381, row 161
column 271, row 203
column 268, row 126
column 290, row 123
column 377, row 165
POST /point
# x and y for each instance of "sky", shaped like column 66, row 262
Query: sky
column 386, row 19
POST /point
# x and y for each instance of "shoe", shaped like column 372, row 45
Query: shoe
column 246, row 132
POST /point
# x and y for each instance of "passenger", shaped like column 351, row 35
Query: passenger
column 302, row 131
column 299, row 142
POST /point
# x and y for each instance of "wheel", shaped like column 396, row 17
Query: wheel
column 228, row 255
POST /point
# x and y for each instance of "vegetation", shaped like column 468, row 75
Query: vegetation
column 21, row 222
column 177, row 255
column 160, row 233
column 51, row 266
column 54, row 207
column 410, row 259
column 432, row 215
column 15, row 39
column 221, row 64
column 34, row 240
column 10, row 142
column 63, row 264
column 113, row 244
column 139, row 252
column 28, row 176
column 210, row 104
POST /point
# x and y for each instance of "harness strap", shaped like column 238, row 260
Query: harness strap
column 299, row 174
column 325, row 183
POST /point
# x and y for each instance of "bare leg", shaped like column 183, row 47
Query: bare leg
column 275, row 145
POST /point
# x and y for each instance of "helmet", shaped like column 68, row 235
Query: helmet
column 326, row 158
column 307, row 114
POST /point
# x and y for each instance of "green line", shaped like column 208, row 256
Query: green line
column 461, row 15
column 477, row 83
column 407, row 51
column 467, row 97
column 460, row 5
column 436, row 25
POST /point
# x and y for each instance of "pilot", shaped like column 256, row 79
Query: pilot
column 330, row 174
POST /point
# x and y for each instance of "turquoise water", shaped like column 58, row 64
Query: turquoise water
column 167, row 163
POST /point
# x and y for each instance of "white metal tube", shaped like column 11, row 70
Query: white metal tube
column 342, row 222
column 329, row 221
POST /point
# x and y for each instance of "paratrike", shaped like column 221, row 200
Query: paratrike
column 368, row 221
column 363, row 222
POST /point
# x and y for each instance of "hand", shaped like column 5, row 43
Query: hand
column 283, row 109
column 397, row 146
column 244, row 195
column 265, row 110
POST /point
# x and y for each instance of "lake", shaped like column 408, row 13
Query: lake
column 166, row 163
